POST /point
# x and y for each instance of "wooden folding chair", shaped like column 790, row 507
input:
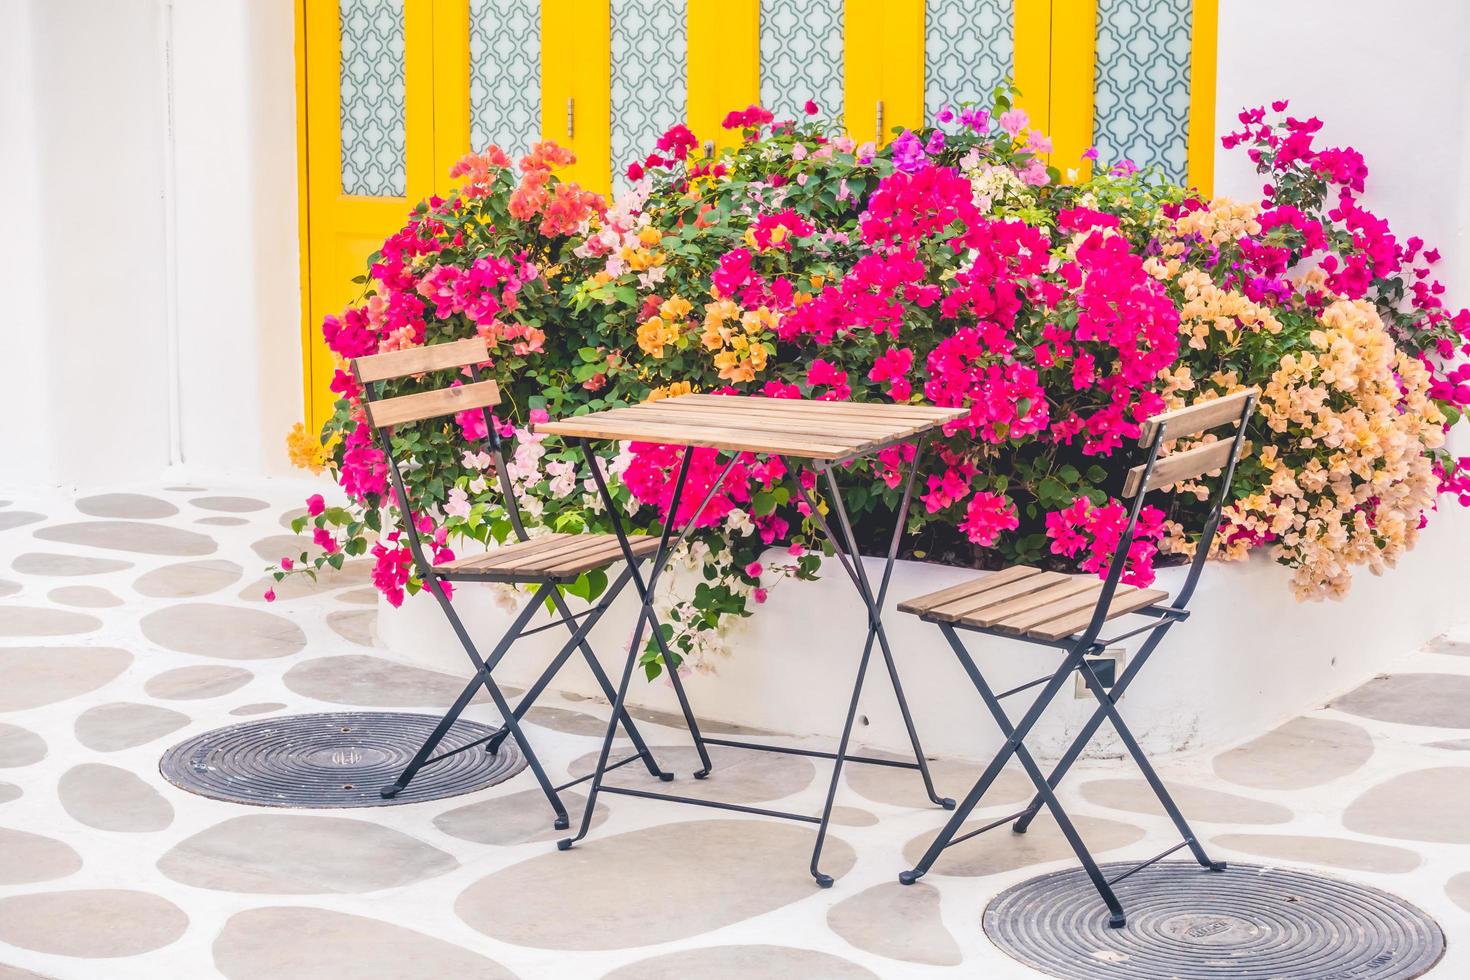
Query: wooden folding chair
column 546, row 561
column 1068, row 612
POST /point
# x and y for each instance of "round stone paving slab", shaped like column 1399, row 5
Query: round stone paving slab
column 1247, row 923
column 186, row 579
column 373, row 682
column 20, row 747
column 743, row 963
column 905, row 787
column 1424, row 805
column 40, row 621
column 230, row 505
column 18, row 518
column 28, row 858
column 1436, row 700
column 35, row 676
column 123, row 725
column 109, row 798
column 1458, row 889
column 647, row 886
column 315, row 944
column 131, row 506
column 1198, row 803
column 1000, row 850
column 302, row 854
column 92, row 924
column 514, row 819
column 1336, row 852
column 50, row 564
column 739, row 775
column 901, row 922
column 209, row 629
column 134, row 536
column 1302, row 753
column 194, row 683
column 334, row 759
column 84, row 597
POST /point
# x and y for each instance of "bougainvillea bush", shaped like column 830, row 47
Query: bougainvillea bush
column 953, row 266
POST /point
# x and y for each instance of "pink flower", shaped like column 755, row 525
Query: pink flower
column 760, row 595
column 987, row 516
column 810, row 108
column 754, row 569
column 287, row 564
column 270, row 595
column 315, row 504
column 1013, row 121
column 893, row 366
column 823, row 372
column 324, row 540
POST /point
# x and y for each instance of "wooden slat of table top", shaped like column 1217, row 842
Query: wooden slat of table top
column 879, row 410
column 789, row 427
column 856, row 428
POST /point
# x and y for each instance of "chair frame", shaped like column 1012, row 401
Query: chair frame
column 1079, row 648
column 467, row 356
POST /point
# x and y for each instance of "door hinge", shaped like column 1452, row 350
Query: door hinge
column 571, row 117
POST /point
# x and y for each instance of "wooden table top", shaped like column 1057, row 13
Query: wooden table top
column 817, row 430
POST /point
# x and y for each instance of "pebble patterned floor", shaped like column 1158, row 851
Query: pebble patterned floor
column 130, row 621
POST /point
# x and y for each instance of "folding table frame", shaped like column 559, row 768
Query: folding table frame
column 526, row 561
column 736, row 424
column 1069, row 616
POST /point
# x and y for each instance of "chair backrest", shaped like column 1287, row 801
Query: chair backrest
column 374, row 370
column 432, row 403
column 1230, row 413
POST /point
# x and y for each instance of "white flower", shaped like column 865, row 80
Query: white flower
column 533, row 506
column 738, row 522
column 458, row 504
column 563, row 477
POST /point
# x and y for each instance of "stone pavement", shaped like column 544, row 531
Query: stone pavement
column 130, row 621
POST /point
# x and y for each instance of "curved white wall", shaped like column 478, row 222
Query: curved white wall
column 148, row 167
column 1249, row 657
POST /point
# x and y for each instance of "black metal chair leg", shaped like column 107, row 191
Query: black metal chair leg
column 1116, row 917
column 506, row 640
column 1084, row 736
column 484, row 667
column 1144, row 766
column 991, row 773
column 432, row 742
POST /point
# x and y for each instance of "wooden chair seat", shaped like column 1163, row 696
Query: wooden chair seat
column 550, row 556
column 1028, row 602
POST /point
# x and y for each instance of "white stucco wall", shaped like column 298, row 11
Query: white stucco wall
column 1392, row 79
column 148, row 168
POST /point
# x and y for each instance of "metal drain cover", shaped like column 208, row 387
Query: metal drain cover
column 333, row 759
column 1247, row 923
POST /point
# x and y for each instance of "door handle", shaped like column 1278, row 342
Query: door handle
column 571, row 117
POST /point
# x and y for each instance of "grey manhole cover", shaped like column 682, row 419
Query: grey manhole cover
column 1248, row 923
column 334, row 759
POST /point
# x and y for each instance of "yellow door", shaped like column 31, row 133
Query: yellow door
column 369, row 151
column 393, row 91
column 574, row 85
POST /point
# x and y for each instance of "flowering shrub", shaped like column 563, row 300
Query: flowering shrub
column 951, row 267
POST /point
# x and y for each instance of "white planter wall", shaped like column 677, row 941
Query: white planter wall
column 1248, row 658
